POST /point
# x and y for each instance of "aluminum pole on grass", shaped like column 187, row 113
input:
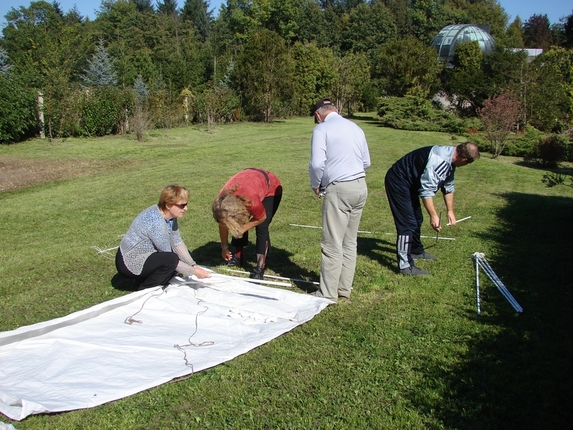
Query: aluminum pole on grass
column 368, row 232
column 278, row 277
column 460, row 220
column 483, row 263
column 477, row 287
column 188, row 280
column 284, row 284
column 439, row 225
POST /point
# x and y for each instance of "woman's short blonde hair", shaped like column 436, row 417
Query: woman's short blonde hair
column 171, row 195
column 231, row 211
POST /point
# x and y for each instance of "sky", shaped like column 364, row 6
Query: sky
column 554, row 9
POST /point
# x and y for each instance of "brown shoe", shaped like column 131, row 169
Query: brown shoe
column 345, row 300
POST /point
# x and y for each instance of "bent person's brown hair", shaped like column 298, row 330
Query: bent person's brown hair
column 231, row 210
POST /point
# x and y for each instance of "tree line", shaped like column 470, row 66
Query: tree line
column 139, row 65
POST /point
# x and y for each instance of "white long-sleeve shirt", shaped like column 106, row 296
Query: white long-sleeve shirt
column 339, row 152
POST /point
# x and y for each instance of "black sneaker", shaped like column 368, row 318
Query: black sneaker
column 235, row 261
column 424, row 256
column 414, row 271
column 258, row 273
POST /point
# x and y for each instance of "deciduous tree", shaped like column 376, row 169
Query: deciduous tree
column 404, row 65
column 536, row 32
column 500, row 115
column 353, row 79
column 368, row 27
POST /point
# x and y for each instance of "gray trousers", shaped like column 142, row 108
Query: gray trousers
column 341, row 213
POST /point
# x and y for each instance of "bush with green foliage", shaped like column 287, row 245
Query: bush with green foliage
column 524, row 143
column 419, row 114
column 104, row 110
column 551, row 150
column 17, row 110
column 62, row 111
column 215, row 105
column 551, row 179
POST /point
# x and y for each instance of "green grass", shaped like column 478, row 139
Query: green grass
column 408, row 353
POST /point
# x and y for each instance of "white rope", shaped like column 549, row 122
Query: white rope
column 130, row 320
column 106, row 251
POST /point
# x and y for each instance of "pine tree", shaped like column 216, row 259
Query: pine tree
column 140, row 88
column 196, row 11
column 4, row 66
column 144, row 6
column 167, row 7
column 100, row 71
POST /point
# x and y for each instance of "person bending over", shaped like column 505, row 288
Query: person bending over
column 420, row 174
column 249, row 199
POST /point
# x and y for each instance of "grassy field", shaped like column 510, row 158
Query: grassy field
column 408, row 353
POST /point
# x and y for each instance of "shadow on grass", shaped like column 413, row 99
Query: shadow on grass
column 518, row 371
column 561, row 170
column 209, row 255
column 380, row 250
column 122, row 283
column 278, row 262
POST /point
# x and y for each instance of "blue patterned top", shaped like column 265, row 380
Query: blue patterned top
column 149, row 232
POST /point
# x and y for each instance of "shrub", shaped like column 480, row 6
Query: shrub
column 62, row 111
column 104, row 110
column 524, row 145
column 551, row 150
column 552, row 179
column 418, row 114
column 140, row 121
column 214, row 106
column 17, row 110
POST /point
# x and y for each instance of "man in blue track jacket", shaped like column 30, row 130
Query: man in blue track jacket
column 420, row 174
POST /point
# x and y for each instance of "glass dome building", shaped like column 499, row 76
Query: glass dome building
column 450, row 36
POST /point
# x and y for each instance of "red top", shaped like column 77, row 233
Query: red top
column 254, row 186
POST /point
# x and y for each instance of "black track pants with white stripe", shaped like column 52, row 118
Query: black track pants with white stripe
column 407, row 213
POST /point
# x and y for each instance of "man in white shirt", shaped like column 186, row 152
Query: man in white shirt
column 338, row 159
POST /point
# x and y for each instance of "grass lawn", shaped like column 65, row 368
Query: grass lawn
column 408, row 353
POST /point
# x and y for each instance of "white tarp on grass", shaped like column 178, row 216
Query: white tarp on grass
column 139, row 341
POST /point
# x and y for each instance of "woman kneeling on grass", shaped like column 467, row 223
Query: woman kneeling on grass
column 152, row 251
column 249, row 199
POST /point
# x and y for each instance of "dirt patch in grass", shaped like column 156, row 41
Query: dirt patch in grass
column 18, row 173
